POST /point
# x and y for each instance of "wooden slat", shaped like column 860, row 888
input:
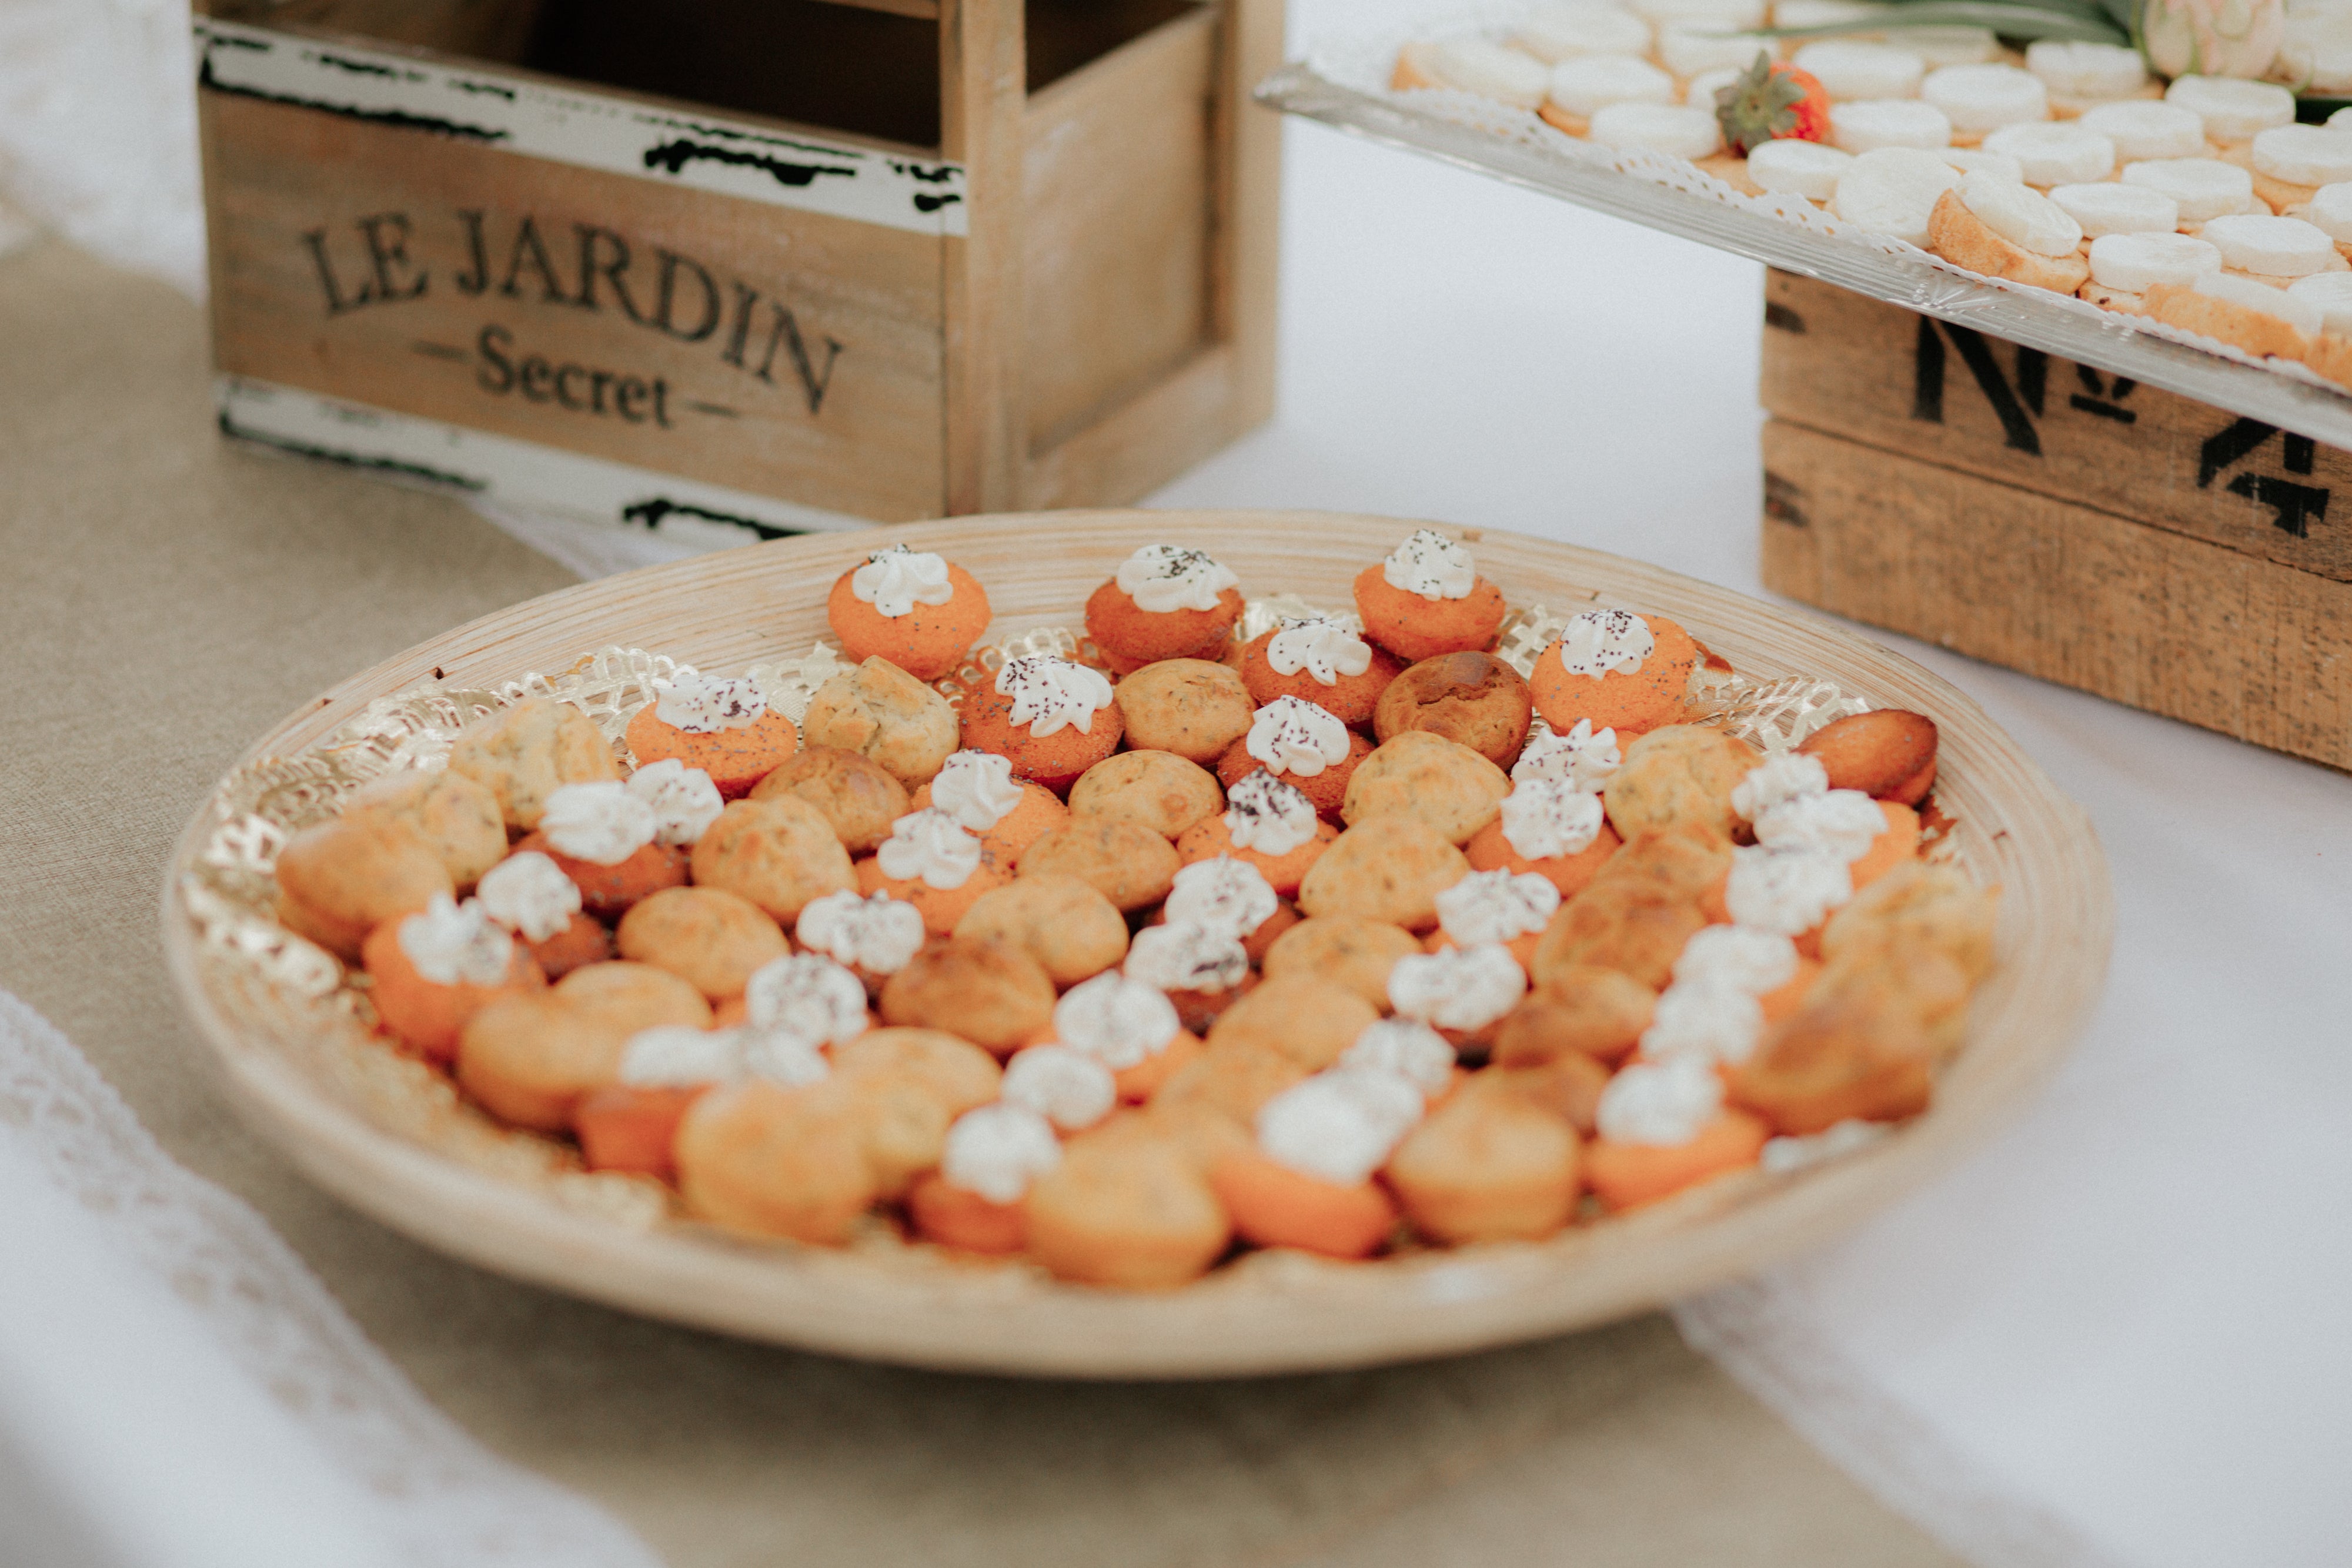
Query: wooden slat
column 984, row 75
column 1130, row 451
column 1248, row 180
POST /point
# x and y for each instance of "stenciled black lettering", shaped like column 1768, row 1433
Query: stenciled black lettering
column 479, row 248
column 786, row 332
column 315, row 241
column 740, row 334
column 615, row 262
column 666, row 304
column 494, row 338
column 388, row 244
column 530, row 248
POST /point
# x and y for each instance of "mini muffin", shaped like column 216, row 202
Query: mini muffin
column 1275, row 1205
column 1488, row 1164
column 1889, row 754
column 1419, row 774
column 708, row 938
column 988, row 990
column 1308, row 1017
column 1637, row 929
column 1234, row 1080
column 1857, row 1056
column 1190, row 707
column 911, row 606
column 525, row 753
column 977, row 789
column 1304, row 746
column 1388, row 868
column 609, row 891
column 952, row 1069
column 457, row 818
column 1051, row 718
column 1547, row 816
column 1129, row 1211
column 1679, row 775
column 1063, row 922
column 758, row 1157
column 886, row 717
column 1213, row 836
column 1625, row 1175
column 434, row 970
column 1128, row 863
column 874, row 936
column 1155, row 789
column 1615, row 670
column 1165, row 603
column 338, row 881
column 779, row 852
column 631, row 996
column 1347, row 951
column 1320, row 661
column 1570, row 1087
column 602, row 836
column 930, row 863
column 1202, row 970
column 531, row 1059
column 1591, row 1012
column 858, row 798
column 725, row 728
column 1919, row 906
column 1427, row 599
column 1472, row 698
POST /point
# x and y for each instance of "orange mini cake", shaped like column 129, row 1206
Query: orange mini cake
column 1268, row 824
column 915, row 609
column 1426, row 599
column 604, row 837
column 528, row 894
column 1165, row 603
column 1551, row 828
column 1051, row 718
column 1303, row 744
column 978, row 789
column 1663, row 1127
column 435, row 970
column 724, row 728
column 1322, row 661
column 1616, row 670
column 930, row 863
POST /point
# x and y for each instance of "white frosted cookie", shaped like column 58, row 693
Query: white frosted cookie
column 2304, row 154
column 2142, row 131
column 2275, row 247
column 1888, row 122
column 1488, row 69
column 1986, row 97
column 1687, row 48
column 2136, row 263
column 2331, row 209
column 1977, row 161
column 2316, row 50
column 1829, row 13
column 2087, row 72
column 1561, row 32
column 2244, row 292
column 1795, row 167
column 2024, row 217
column 2330, row 294
column 2232, row 110
column 2111, row 208
column 1590, row 83
column 1852, row 72
column 1952, row 45
column 2206, row 188
column 2056, row 152
column 1723, row 16
column 1700, row 90
column 1667, row 128
column 1892, row 190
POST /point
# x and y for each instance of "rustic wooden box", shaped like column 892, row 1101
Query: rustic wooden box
column 939, row 256
column 2056, row 519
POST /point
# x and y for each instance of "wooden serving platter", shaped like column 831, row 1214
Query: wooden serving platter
column 1273, row 1313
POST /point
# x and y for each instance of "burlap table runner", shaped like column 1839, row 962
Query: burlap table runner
column 170, row 598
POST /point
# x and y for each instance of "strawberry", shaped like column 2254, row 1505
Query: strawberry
column 1770, row 102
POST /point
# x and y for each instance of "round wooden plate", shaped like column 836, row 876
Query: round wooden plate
column 1276, row 1312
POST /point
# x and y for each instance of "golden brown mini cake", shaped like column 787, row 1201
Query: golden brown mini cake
column 1679, row 775
column 1190, row 707
column 1304, row 746
column 1593, row 1012
column 1063, row 922
column 1964, row 239
column 886, row 717
column 1427, row 599
column 1129, row 1211
column 1234, row 1083
column 1322, row 661
column 1128, row 863
column 457, row 818
column 630, row 996
column 978, row 791
column 338, row 881
column 779, row 852
column 525, row 753
column 2234, row 320
column 1488, row 1164
column 1419, row 774
column 1306, row 1018
column 1471, row 698
column 1052, row 719
column 1887, row 753
column 858, row 797
column 1859, row 1056
column 1154, row 790
column 952, row 1069
column 708, row 938
column 933, row 863
column 1387, row 868
column 725, row 728
column 531, row 1060
column 1615, row 670
column 917, row 610
column 1921, row 907
column 1344, row 949
column 603, row 837
column 436, row 969
column 987, row 990
column 758, row 1157
column 1165, row 602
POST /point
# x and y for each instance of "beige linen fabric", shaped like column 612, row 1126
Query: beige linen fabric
column 166, row 598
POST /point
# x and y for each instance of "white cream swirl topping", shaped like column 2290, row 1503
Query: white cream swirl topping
column 1186, row 958
column 879, row 935
column 1733, row 957
column 1777, row 779
column 453, row 944
column 977, row 789
column 529, row 894
column 1161, row 578
column 1338, row 1125
column 895, row 581
column 1066, row 1086
column 1224, row 894
column 1840, row 822
column 1457, row 988
column 1496, row 906
column 700, row 705
column 674, row 1056
column 781, row 1055
column 1605, row 641
column 926, row 846
column 1787, row 893
column 1319, row 645
column 1265, row 814
column 809, row 996
column 998, row 1150
column 1117, row 1019
column 1545, row 819
column 1579, row 758
column 1713, row 1023
column 1412, row 1051
column 684, row 800
column 1291, row 735
column 1666, row 1104
column 1431, row 565
column 1050, row 694
column 601, row 823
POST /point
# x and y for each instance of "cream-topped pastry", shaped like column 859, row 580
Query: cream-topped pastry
column 2087, row 72
column 1497, row 906
column 1324, row 648
column 530, row 896
column 1853, row 70
column 1050, row 695
column 1268, row 816
column 807, row 995
column 976, row 788
column 1679, row 130
column 2143, row 130
column 1587, row 84
column 1567, row 28
column 1166, row 578
column 1223, row 895
column 1736, row 958
column 1603, row 641
column 896, row 580
column 2304, row 154
column 2055, row 151
column 2252, row 296
column 1979, row 98
column 1186, row 958
column 1457, row 988
column 2136, row 263
column 1069, row 1087
column 1580, row 758
column 683, row 799
column 702, row 705
column 1715, row 1023
column 1778, row 778
column 1291, row 735
column 781, row 1055
column 2113, row 208
column 1892, row 190
column 877, row 934
column 1545, row 819
column 1406, row 1047
column 1790, row 166
column 1872, row 125
column 2275, row 247
column 1664, row 1103
column 602, row 823
column 2233, row 109
column 998, row 1150
column 1787, row 893
column 1120, row 1021
column 1431, row 565
column 930, row 847
column 2022, row 216
column 1339, row 1125
column 1840, row 822
column 453, row 944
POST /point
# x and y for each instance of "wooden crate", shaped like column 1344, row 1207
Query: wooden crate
column 2056, row 519
column 909, row 258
